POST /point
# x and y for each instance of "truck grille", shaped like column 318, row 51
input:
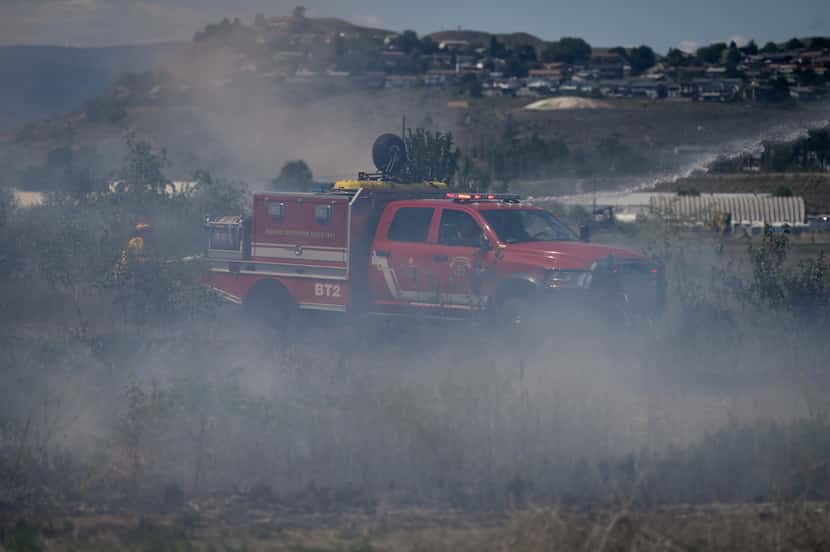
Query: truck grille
column 639, row 282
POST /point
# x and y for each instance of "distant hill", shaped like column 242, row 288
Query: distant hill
column 39, row 81
column 480, row 39
column 333, row 25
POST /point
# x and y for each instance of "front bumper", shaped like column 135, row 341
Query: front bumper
column 632, row 286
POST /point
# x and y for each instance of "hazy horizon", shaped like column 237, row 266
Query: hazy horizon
column 99, row 23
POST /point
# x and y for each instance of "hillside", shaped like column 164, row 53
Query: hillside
column 246, row 97
column 39, row 81
column 333, row 25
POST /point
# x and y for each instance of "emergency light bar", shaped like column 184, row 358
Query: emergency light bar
column 507, row 198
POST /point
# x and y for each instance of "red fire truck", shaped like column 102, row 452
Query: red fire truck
column 379, row 246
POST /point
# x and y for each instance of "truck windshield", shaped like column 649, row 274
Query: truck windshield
column 526, row 225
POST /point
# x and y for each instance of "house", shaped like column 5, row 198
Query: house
column 783, row 68
column 646, row 88
column 807, row 58
column 394, row 60
column 540, row 86
column 439, row 77
column 439, row 60
column 556, row 66
column 403, row 81
column 614, row 88
column 685, row 74
column 715, row 72
column 609, row 65
column 821, row 62
column 734, row 86
column 373, row 80
column 804, row 93
column 552, row 75
column 453, row 45
column 782, row 57
column 569, row 87
column 673, row 90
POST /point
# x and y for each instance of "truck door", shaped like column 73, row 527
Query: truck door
column 402, row 265
column 457, row 259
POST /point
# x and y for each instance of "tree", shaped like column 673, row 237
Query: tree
column 770, row 48
column 408, row 42
column 107, row 109
column 641, row 59
column 428, row 46
column 567, row 50
column 471, row 177
column 214, row 196
column 295, row 176
column 819, row 43
column 750, row 49
column 676, row 58
column 711, row 53
column 794, row 44
column 807, row 77
column 7, row 205
column 731, row 55
column 730, row 58
column 430, row 155
column 782, row 191
column 470, row 85
column 515, row 67
column 496, row 49
column 526, row 53
column 780, row 89
column 142, row 174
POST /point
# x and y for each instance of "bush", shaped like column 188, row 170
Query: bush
column 106, row 109
column 294, row 176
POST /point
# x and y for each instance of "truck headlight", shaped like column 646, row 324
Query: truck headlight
column 568, row 278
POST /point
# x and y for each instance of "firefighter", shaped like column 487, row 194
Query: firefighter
column 136, row 251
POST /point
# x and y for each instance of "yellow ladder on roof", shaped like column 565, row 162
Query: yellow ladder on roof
column 387, row 185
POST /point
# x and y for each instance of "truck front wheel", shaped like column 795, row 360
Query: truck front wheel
column 513, row 305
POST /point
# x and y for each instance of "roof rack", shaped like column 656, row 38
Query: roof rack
column 403, row 191
column 463, row 197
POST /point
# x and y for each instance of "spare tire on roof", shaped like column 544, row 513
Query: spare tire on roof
column 389, row 154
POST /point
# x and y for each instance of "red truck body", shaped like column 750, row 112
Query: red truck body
column 420, row 252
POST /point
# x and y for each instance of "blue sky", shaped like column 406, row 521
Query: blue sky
column 660, row 23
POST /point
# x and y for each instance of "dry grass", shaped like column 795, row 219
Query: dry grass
column 759, row 527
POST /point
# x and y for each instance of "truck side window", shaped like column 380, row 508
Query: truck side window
column 276, row 211
column 322, row 213
column 411, row 224
column 459, row 229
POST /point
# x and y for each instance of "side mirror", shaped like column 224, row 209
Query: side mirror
column 484, row 243
column 585, row 233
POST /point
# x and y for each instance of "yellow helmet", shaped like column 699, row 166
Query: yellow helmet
column 142, row 229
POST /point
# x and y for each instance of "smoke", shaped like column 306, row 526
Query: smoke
column 715, row 141
column 424, row 413
column 247, row 125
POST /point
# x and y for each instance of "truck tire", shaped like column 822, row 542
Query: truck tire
column 513, row 305
column 270, row 303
